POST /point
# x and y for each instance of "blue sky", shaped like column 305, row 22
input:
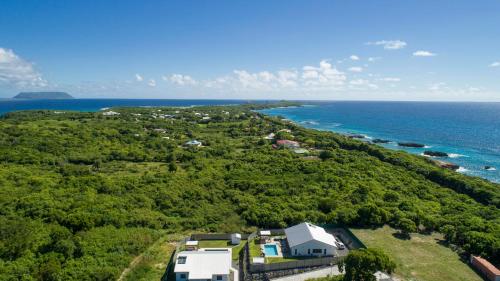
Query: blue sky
column 336, row 50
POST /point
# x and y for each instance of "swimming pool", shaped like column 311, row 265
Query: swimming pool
column 271, row 250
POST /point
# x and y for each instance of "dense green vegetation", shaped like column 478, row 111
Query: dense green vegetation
column 360, row 265
column 82, row 194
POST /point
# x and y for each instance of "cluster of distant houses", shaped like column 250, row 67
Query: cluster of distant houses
column 287, row 144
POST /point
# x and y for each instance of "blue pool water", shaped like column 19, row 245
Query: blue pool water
column 271, row 250
column 468, row 132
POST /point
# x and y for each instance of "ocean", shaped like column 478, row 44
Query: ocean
column 8, row 105
column 468, row 132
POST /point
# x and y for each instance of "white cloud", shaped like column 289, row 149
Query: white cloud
column 323, row 76
column 439, row 86
column 362, row 84
column 389, row 44
column 359, row 82
column 138, row 77
column 15, row 71
column 443, row 90
column 264, row 80
column 356, row 69
column 287, row 78
column 310, row 78
column 152, row 83
column 390, row 79
column 495, row 64
column 372, row 59
column 180, row 79
column 354, row 57
column 258, row 80
column 421, row 53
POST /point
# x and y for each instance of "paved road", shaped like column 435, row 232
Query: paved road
column 334, row 270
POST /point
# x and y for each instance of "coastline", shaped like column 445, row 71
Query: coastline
column 472, row 162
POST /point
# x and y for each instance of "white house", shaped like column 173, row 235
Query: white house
column 307, row 239
column 110, row 113
column 213, row 265
column 193, row 143
column 270, row 136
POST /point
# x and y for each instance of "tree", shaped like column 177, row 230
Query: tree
column 406, row 226
column 282, row 135
column 172, row 167
column 360, row 265
column 326, row 154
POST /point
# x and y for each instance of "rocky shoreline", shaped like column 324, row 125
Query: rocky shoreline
column 435, row 153
column 411, row 144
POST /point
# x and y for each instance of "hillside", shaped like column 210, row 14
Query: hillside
column 43, row 95
column 82, row 194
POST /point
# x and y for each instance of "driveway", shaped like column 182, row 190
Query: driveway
column 334, row 270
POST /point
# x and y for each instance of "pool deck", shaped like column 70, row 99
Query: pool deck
column 278, row 248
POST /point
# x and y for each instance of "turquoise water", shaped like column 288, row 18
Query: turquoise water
column 468, row 132
column 270, row 250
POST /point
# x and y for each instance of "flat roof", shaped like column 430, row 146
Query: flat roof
column 191, row 243
column 258, row 260
column 203, row 264
column 265, row 232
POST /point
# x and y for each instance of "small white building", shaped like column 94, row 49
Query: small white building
column 193, row 143
column 307, row 239
column 235, row 238
column 110, row 113
column 270, row 136
column 258, row 260
column 191, row 245
column 213, row 265
column 264, row 236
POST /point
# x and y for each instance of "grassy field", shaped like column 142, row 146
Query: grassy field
column 421, row 258
column 223, row 244
column 152, row 263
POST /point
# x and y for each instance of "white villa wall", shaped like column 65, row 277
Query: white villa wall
column 302, row 249
column 179, row 278
column 225, row 277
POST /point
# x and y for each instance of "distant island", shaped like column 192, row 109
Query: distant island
column 43, row 95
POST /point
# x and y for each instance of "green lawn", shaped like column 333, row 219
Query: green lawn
column 223, row 244
column 255, row 251
column 254, row 248
column 215, row 244
column 421, row 258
